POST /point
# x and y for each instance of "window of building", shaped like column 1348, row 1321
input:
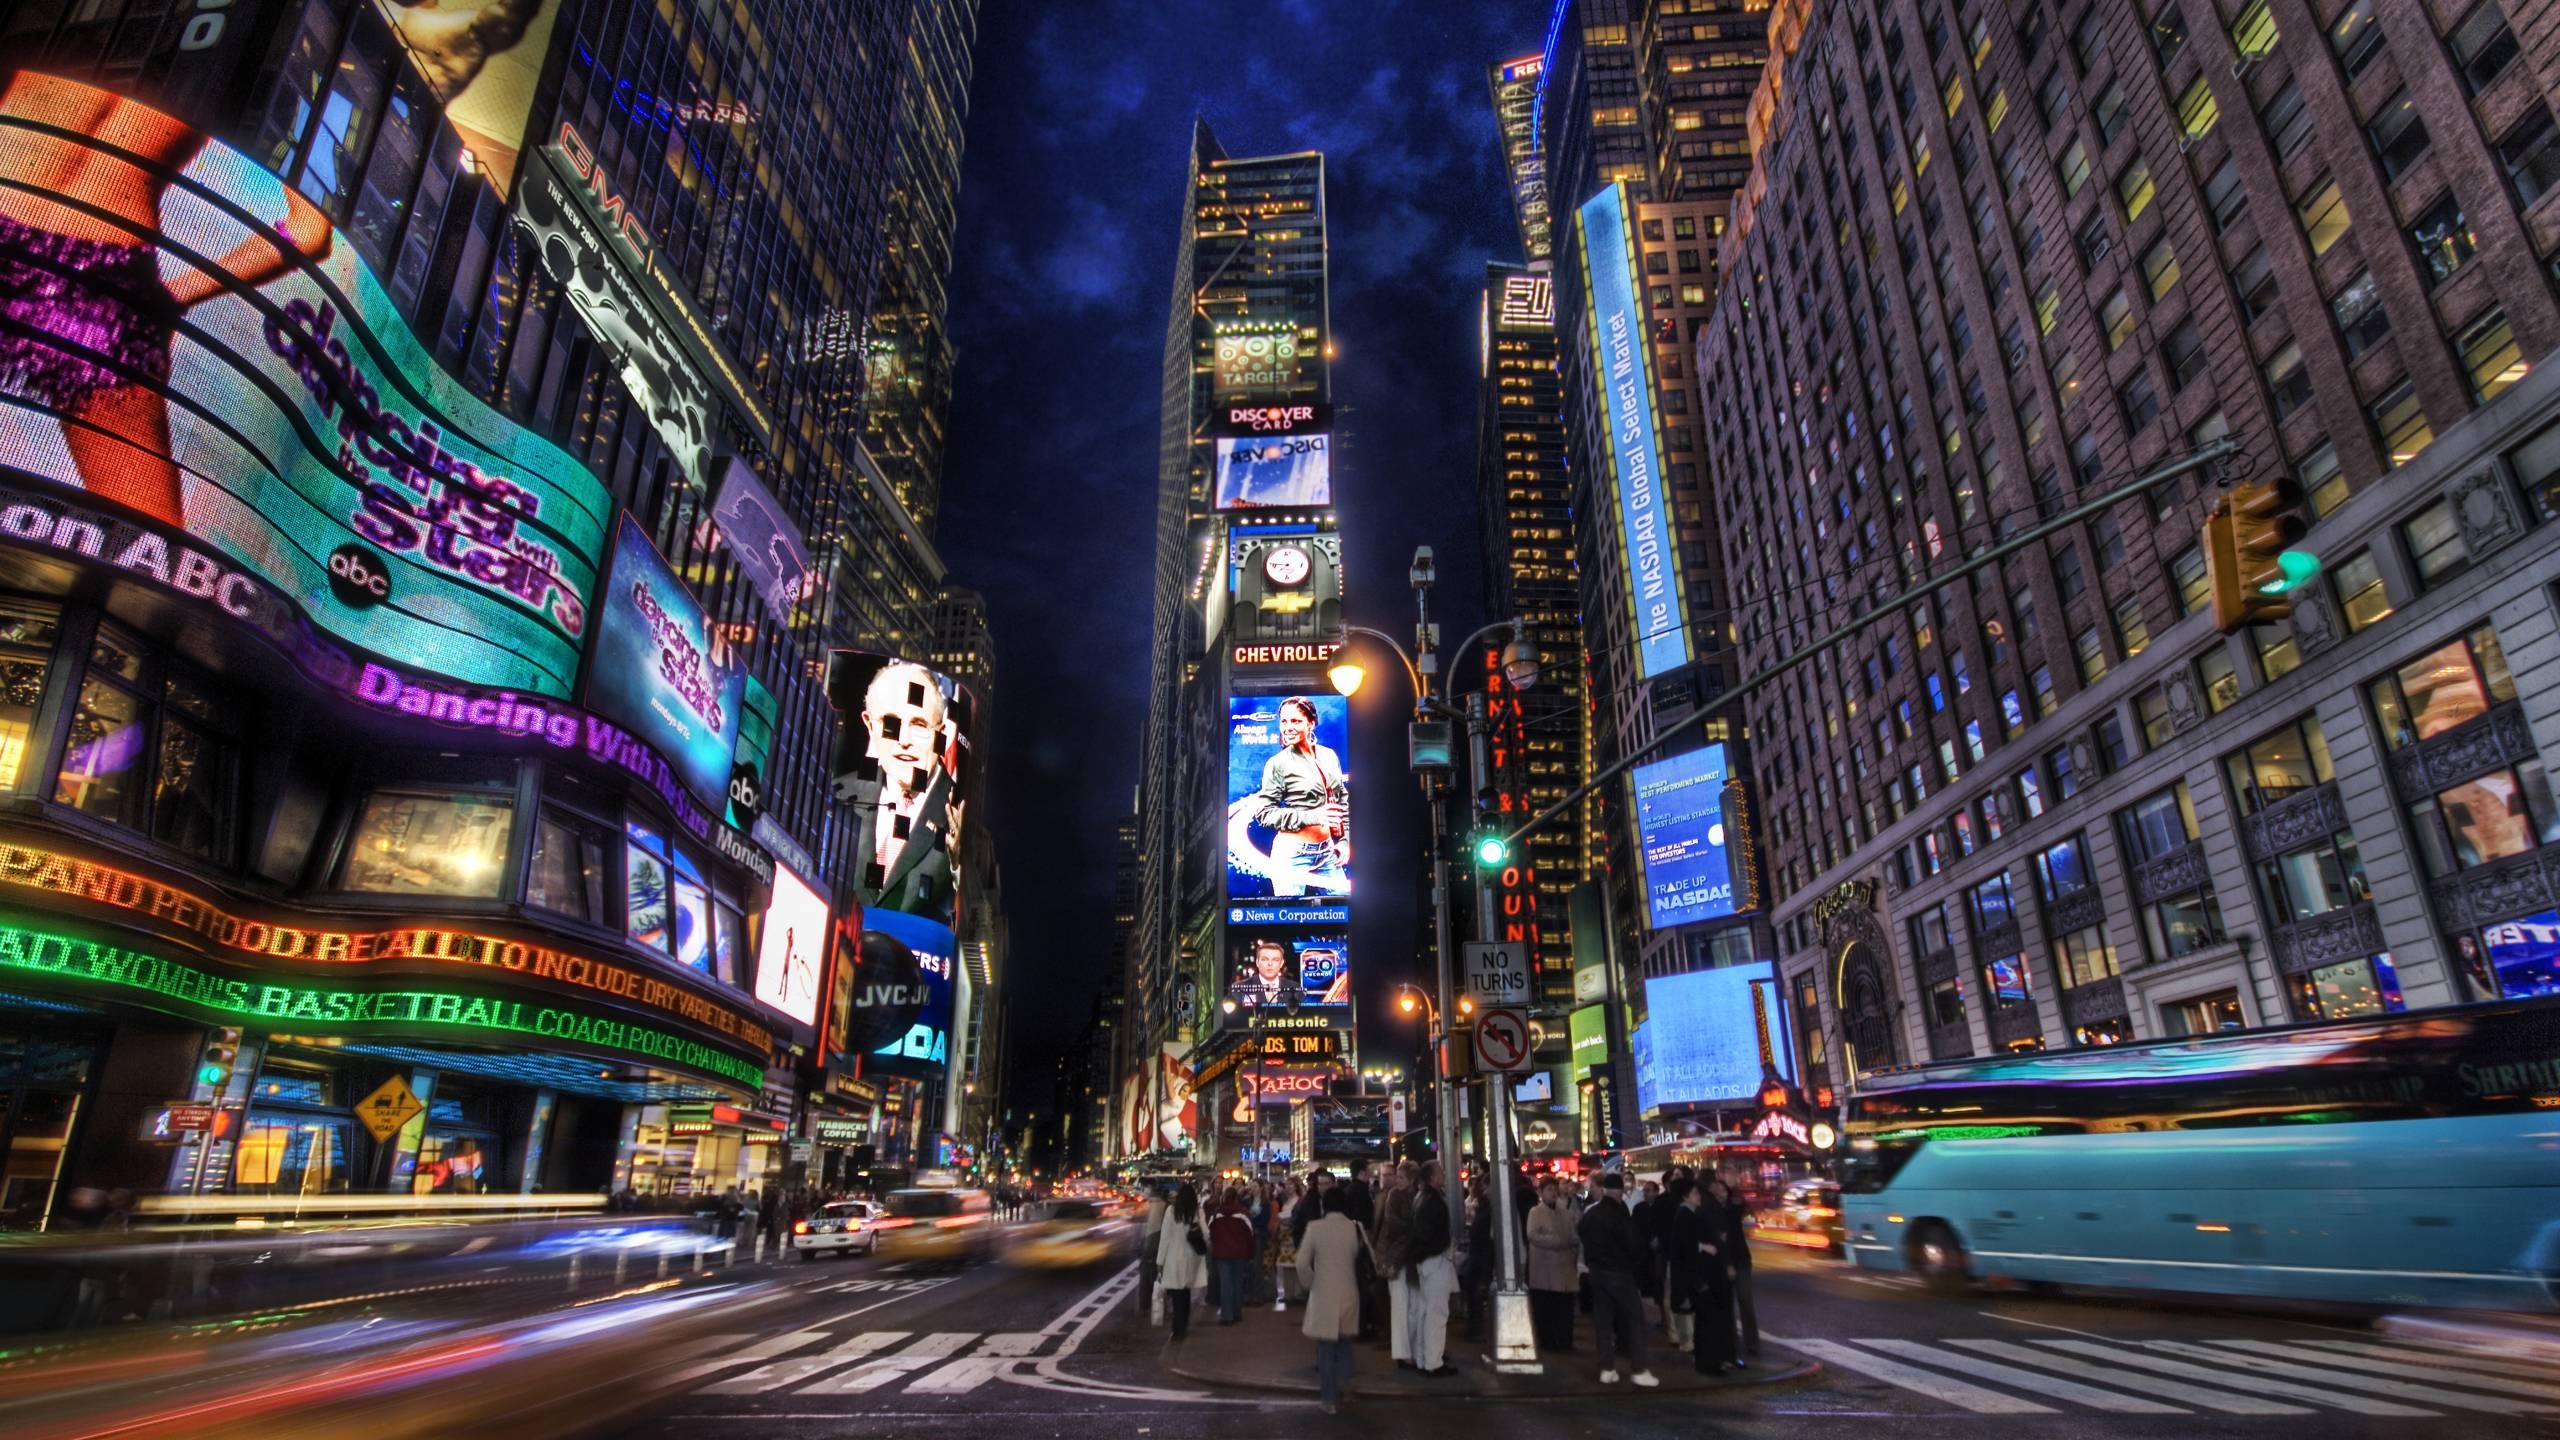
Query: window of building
column 2151, row 714
column 2066, row 378
column 2348, row 990
column 2528, row 151
column 2066, row 776
column 2443, row 238
column 2213, row 1014
column 2219, row 679
column 2159, row 269
column 2097, row 240
column 2116, row 316
column 2323, row 213
column 2443, row 689
column 2185, row 355
column 2141, row 401
column 27, row 637
column 2288, row 380
column 2092, row 654
column 2278, row 654
column 2490, row 353
column 2013, row 715
column 2322, row 479
column 572, row 857
column 2084, row 957
column 2280, row 765
column 2253, row 285
column 2030, row 794
column 148, row 747
column 2433, row 538
column 2048, row 306
column 2482, row 45
column 2398, row 133
column 2360, row 595
column 2197, row 111
column 2362, row 322
column 2226, row 195
column 666, row 902
column 2074, row 168
column 2134, row 188
column 2253, row 31
column 2495, row 816
column 2187, row 576
column 2111, row 113
column 2355, row 37
column 2401, row 423
column 2287, row 121
column 2315, row 879
column 2114, row 750
column 1994, row 907
column 419, row 842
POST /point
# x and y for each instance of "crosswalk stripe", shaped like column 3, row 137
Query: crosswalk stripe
column 2360, row 1404
column 1936, row 1387
column 765, row 1349
column 796, row 1368
column 2346, row 1378
column 2018, row 1379
column 872, row 1374
column 2225, row 1401
column 2500, row 1384
column 1017, row 1343
column 2495, row 1365
column 961, row 1376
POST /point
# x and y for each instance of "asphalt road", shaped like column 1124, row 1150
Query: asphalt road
column 861, row 1348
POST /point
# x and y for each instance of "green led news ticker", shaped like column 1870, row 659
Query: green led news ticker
column 35, row 952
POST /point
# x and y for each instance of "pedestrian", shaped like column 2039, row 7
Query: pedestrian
column 1478, row 1281
column 1737, row 1240
column 1231, row 1252
column 1699, row 1238
column 1555, row 1262
column 1182, row 1258
column 1362, row 1200
column 1310, row 1206
column 1434, row 1274
column 1157, row 1205
column 1616, row 1254
column 1395, row 1227
column 1666, row 1205
column 1686, row 1228
column 1328, row 1264
column 1280, row 1254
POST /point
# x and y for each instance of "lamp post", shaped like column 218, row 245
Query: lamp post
column 1433, row 760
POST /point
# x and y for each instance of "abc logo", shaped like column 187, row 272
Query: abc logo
column 359, row 578
column 746, row 790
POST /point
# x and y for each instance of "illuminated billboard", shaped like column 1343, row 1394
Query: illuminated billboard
column 271, row 404
column 1259, row 471
column 482, row 58
column 1515, row 109
column 656, row 673
column 902, row 761
column 1685, row 865
column 1278, row 967
column 761, row 536
column 1623, row 360
column 1258, row 355
column 925, row 1046
column 1711, row 1036
column 792, row 955
column 1288, row 797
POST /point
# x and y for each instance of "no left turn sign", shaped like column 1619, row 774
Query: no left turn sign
column 1502, row 1040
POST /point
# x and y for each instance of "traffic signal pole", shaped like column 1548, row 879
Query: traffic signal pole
column 1515, row 1345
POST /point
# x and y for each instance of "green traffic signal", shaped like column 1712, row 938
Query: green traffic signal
column 2294, row 569
column 1491, row 851
column 214, row 1074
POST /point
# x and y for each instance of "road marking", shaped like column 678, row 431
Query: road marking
column 2491, row 1365
column 1936, row 1387
column 782, row 1344
column 2500, row 1384
column 873, row 1374
column 797, row 1368
column 1079, row 1321
column 2224, row 1401
column 2039, row 1324
column 2316, row 1396
column 2018, row 1379
column 2347, row 1379
column 961, row 1376
column 918, row 1288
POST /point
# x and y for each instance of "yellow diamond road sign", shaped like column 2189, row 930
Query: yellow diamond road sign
column 387, row 1109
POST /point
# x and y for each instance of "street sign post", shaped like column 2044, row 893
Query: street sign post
column 1497, row 972
column 1502, row 1040
column 388, row 1108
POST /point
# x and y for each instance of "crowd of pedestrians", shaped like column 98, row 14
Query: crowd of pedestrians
column 1372, row 1254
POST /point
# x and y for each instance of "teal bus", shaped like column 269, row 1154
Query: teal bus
column 2403, row 1160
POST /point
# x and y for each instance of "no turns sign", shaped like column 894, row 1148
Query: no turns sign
column 1502, row 1040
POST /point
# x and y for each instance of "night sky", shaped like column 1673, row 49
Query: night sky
column 1070, row 207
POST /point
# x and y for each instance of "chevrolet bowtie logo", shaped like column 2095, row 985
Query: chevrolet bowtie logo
column 1288, row 602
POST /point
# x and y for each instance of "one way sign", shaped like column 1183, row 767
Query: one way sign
column 1497, row 972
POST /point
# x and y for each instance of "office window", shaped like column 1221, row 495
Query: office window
column 2114, row 751
column 2322, row 480
column 2111, row 113
column 2398, row 133
column 2219, row 679
column 2443, row 690
column 2116, row 318
column 2253, row 31
column 2134, row 188
column 2496, row 816
column 2324, row 216
column 2287, row 121
column 2074, row 168
column 2443, row 238
column 2348, row 990
column 2066, row 779
column 2062, row 869
column 2253, row 284
column 2482, row 45
column 2151, row 717
column 2132, row 631
column 2040, row 680
column 2320, row 877
column 2362, row 322
column 2226, row 195
column 2288, row 380
column 2159, row 269
column 2355, row 37
column 2197, row 111
column 571, row 859
column 2527, row 151
column 2280, row 765
column 2401, row 423
column 2188, row 577
column 2434, row 541
column 2278, row 655
column 2141, row 401
column 2185, row 353
column 2030, row 794
column 2092, row 652
column 2084, row 957
column 2360, row 595
column 2490, row 354
column 2048, row 305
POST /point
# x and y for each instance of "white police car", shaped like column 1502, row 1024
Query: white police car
column 846, row 1227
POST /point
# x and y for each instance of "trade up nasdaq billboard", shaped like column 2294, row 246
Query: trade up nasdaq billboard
column 1622, row 365
column 188, row 339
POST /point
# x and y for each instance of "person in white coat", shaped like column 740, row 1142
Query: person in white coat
column 1182, row 1259
column 1328, row 1266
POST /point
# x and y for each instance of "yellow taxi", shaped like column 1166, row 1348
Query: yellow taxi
column 1065, row 1234
column 934, row 1226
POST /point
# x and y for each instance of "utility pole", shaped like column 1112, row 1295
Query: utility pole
column 1515, row 1346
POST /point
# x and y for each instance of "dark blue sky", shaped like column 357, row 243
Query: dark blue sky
column 1070, row 204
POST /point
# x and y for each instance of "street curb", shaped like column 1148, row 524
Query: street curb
column 2524, row 1338
column 1589, row 1386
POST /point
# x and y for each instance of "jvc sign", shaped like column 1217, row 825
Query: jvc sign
column 1497, row 972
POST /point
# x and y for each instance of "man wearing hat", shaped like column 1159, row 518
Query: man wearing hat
column 1615, row 1252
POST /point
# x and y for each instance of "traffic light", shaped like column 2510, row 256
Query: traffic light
column 1491, row 850
column 2249, row 563
column 221, row 1052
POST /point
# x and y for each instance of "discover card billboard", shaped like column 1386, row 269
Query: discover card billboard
column 1288, row 797
column 197, row 344
column 1258, row 471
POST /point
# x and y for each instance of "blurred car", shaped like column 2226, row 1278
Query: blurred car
column 847, row 1227
column 1807, row 1216
column 1064, row 1234
column 936, row 1226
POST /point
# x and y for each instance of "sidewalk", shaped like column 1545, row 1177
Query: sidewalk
column 1265, row 1351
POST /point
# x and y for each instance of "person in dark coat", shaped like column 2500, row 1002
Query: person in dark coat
column 1705, row 1250
column 1362, row 1207
column 1310, row 1207
column 1737, row 1234
column 1685, row 1226
column 1616, row 1254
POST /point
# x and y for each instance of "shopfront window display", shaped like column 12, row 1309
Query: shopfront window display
column 148, row 751
column 417, row 842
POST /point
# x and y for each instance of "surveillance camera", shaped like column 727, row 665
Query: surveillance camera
column 1423, row 572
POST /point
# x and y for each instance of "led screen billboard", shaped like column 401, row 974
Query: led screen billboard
column 792, row 954
column 902, row 761
column 1711, row 1035
column 763, row 538
column 926, row 1045
column 1257, row 355
column 1279, row 967
column 202, row 349
column 1288, row 797
column 1680, row 833
column 655, row 672
column 1260, row 471
column 1623, row 358
column 482, row 58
